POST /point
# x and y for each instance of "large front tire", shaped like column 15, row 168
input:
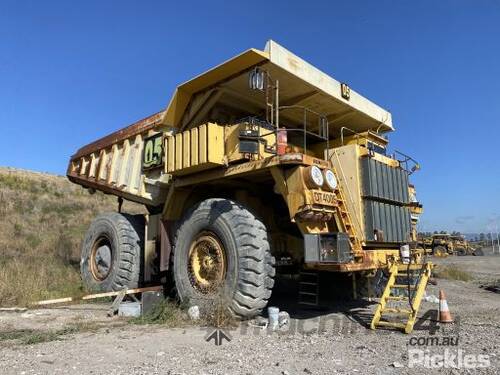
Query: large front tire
column 111, row 252
column 222, row 250
column 440, row 251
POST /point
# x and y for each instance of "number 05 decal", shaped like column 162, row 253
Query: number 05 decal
column 153, row 152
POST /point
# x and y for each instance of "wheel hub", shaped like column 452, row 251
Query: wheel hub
column 101, row 259
column 206, row 263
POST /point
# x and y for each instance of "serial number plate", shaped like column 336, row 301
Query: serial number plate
column 324, row 198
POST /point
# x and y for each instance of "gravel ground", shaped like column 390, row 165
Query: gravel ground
column 345, row 345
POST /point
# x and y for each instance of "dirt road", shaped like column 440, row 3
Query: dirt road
column 345, row 345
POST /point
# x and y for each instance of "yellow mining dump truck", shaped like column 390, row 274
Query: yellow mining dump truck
column 259, row 164
column 461, row 246
column 442, row 244
column 426, row 244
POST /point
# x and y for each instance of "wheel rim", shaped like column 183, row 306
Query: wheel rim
column 206, row 263
column 440, row 252
column 101, row 258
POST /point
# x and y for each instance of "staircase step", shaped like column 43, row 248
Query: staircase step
column 413, row 267
column 391, row 324
column 402, row 286
column 391, row 310
column 308, row 293
column 307, row 283
column 397, row 298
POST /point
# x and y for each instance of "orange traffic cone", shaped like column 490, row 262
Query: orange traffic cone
column 444, row 311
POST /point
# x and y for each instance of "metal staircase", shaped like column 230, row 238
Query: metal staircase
column 343, row 218
column 308, row 288
column 400, row 301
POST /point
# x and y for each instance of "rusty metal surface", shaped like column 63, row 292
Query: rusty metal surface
column 366, row 260
column 136, row 128
column 114, row 164
column 165, row 245
column 113, row 190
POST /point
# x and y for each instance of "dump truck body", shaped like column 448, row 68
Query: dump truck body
column 267, row 131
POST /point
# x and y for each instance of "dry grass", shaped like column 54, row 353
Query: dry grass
column 43, row 219
column 31, row 336
column 167, row 313
column 452, row 272
column 213, row 313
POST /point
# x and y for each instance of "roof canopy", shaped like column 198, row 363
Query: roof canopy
column 222, row 94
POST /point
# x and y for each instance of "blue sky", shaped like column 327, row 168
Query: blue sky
column 71, row 72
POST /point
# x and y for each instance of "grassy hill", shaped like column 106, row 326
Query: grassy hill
column 43, row 219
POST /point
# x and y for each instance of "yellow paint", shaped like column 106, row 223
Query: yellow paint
column 186, row 149
column 195, row 150
column 203, row 144
column 170, row 162
column 407, row 315
column 178, row 152
column 215, row 143
column 184, row 92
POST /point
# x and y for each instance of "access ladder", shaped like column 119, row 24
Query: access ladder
column 343, row 218
column 309, row 288
column 406, row 283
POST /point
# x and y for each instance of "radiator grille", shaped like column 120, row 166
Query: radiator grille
column 385, row 199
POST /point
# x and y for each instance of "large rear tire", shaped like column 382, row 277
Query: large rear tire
column 461, row 251
column 221, row 250
column 478, row 252
column 111, row 252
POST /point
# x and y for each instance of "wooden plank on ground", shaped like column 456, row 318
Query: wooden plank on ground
column 129, row 291
column 116, row 303
column 13, row 309
column 54, row 301
column 100, row 295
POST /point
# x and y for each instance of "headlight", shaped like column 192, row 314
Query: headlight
column 314, row 177
column 330, row 179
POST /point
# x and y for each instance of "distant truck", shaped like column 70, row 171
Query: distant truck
column 461, row 246
column 441, row 244
column 260, row 165
column 445, row 243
